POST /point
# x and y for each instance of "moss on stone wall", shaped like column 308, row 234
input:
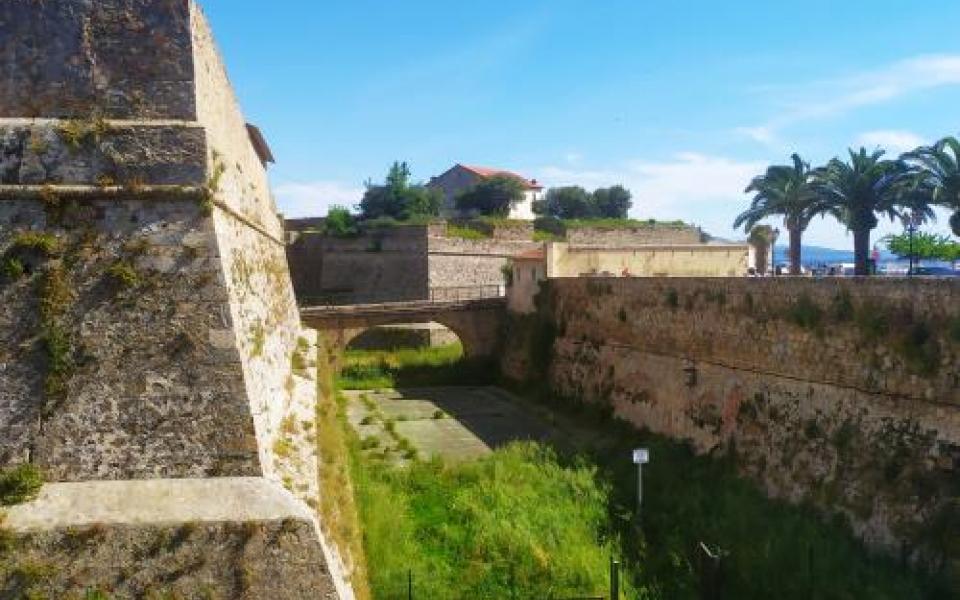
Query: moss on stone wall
column 821, row 389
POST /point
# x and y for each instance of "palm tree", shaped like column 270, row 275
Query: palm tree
column 761, row 238
column 784, row 190
column 938, row 171
column 857, row 191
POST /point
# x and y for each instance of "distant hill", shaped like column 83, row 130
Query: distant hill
column 813, row 255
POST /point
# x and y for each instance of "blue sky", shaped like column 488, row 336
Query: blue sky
column 682, row 102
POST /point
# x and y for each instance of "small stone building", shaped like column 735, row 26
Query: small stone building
column 565, row 260
column 460, row 178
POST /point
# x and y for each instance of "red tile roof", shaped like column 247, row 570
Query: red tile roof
column 531, row 184
column 537, row 254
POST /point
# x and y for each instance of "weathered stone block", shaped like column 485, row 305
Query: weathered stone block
column 120, row 59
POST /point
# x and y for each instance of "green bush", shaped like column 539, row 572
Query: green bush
column 123, row 274
column 919, row 348
column 44, row 243
column 12, row 268
column 672, row 299
column 841, row 308
column 805, row 313
column 551, row 228
column 20, row 484
column 340, row 223
column 507, row 272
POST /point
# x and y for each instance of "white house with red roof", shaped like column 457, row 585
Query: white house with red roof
column 460, row 178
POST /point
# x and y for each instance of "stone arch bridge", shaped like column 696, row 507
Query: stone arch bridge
column 477, row 322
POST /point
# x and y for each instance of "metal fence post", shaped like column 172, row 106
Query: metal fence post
column 614, row 579
column 711, row 573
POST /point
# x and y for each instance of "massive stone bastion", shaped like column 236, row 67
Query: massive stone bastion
column 148, row 328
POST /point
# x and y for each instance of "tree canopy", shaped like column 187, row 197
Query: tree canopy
column 762, row 237
column 340, row 222
column 494, row 196
column 396, row 198
column 866, row 186
column 574, row 202
column 937, row 172
column 787, row 191
column 928, row 246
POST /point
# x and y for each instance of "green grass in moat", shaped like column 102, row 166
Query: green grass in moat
column 412, row 367
column 535, row 522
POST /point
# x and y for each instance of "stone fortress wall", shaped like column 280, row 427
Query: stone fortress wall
column 842, row 393
column 149, row 328
column 658, row 234
column 394, row 264
column 411, row 262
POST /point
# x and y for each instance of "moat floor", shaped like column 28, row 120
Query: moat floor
column 457, row 423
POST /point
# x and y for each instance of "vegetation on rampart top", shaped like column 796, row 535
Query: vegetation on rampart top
column 494, row 196
column 574, row 202
column 559, row 227
column 397, row 198
column 467, row 233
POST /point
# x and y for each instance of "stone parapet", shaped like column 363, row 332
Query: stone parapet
column 640, row 235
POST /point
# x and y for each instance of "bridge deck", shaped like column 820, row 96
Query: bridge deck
column 417, row 307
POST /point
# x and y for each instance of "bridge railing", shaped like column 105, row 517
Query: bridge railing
column 435, row 295
column 473, row 292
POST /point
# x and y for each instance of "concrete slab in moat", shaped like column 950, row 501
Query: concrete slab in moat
column 476, row 419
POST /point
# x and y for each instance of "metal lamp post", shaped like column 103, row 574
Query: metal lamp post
column 911, row 222
column 773, row 251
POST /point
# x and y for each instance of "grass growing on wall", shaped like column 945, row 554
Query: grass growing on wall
column 613, row 224
column 20, row 484
column 466, row 233
column 772, row 549
column 339, row 515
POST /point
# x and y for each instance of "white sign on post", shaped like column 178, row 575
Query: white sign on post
column 641, row 456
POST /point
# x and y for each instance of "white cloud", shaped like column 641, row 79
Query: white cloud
column 313, row 199
column 761, row 134
column 839, row 96
column 894, row 142
column 698, row 188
